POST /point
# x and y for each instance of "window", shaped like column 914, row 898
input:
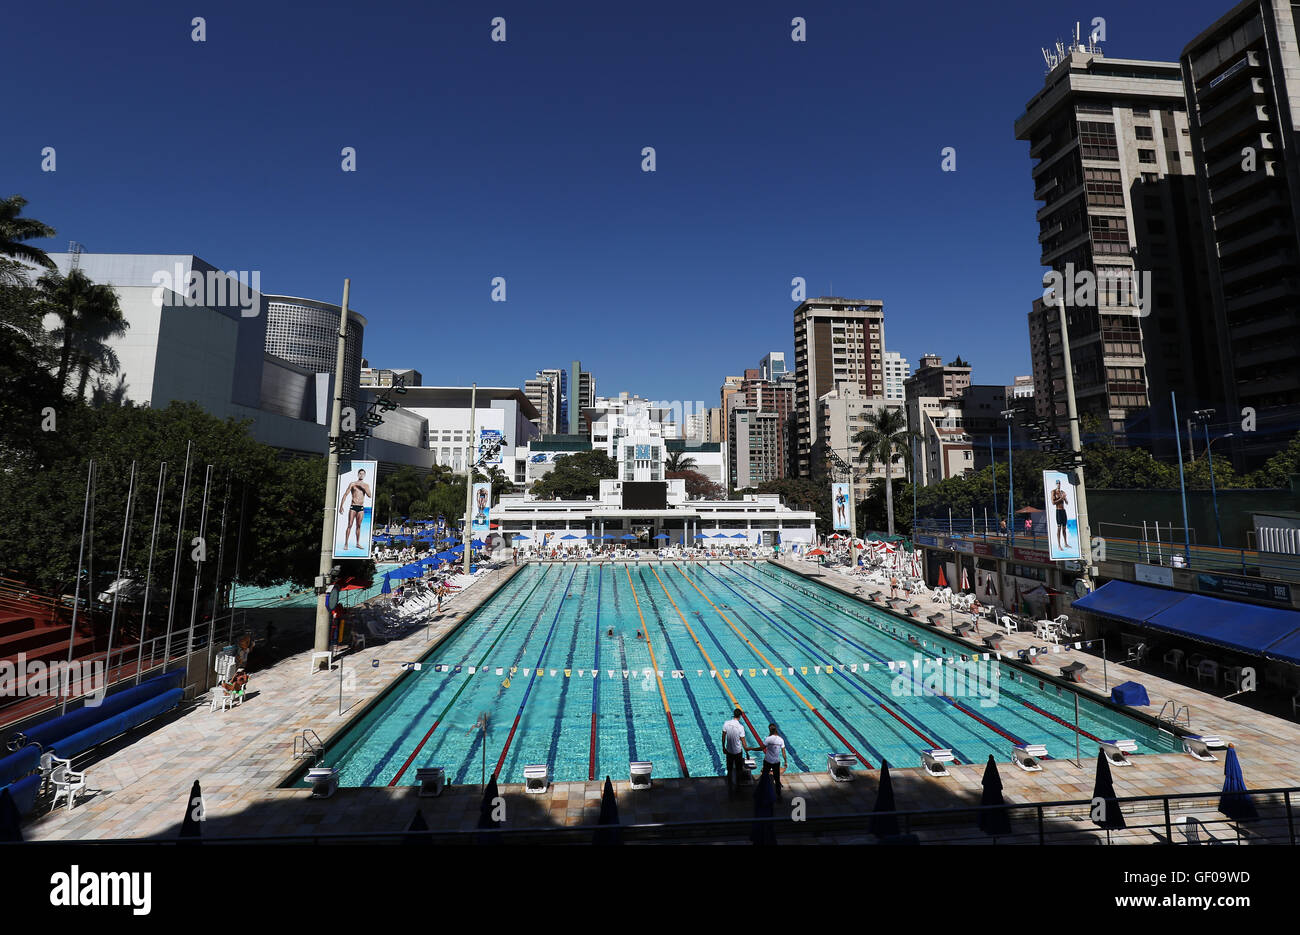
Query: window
column 1097, row 140
column 1146, row 155
column 1142, row 133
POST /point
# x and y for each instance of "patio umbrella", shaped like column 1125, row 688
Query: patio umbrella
column 943, row 582
column 608, row 816
column 190, row 827
column 740, row 535
column 662, row 536
column 700, row 535
column 1104, row 789
column 10, row 821
column 817, row 552
column 994, row 821
column 571, row 536
column 884, row 826
column 764, row 832
column 628, row 535
column 388, row 585
column 417, row 824
column 1235, row 802
column 965, row 579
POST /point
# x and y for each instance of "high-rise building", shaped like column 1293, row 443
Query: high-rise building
column 773, row 368
column 836, row 340
column 1241, row 77
column 763, row 395
column 582, row 395
column 543, row 391
column 730, row 386
column 897, row 370
column 1119, row 228
column 754, row 446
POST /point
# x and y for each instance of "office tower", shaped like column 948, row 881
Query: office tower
column 836, row 340
column 582, row 396
column 1241, row 77
column 897, row 370
column 1118, row 226
column 543, row 391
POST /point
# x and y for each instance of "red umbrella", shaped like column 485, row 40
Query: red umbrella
column 943, row 582
column 965, row 580
column 817, row 552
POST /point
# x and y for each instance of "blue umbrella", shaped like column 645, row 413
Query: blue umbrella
column 662, row 536
column 476, row 543
column 627, row 535
column 571, row 536
column 1235, row 801
column 388, row 586
column 740, row 535
column 700, row 535
column 604, row 537
column 587, row 537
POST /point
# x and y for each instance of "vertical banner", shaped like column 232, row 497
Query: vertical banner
column 482, row 507
column 490, row 442
column 355, row 520
column 840, row 506
column 1062, row 516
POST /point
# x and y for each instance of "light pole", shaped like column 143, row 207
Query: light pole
column 1182, row 482
column 993, row 476
column 1010, row 416
column 467, row 538
column 322, row 637
column 1076, row 448
column 1204, row 416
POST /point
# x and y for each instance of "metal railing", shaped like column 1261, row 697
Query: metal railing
column 1154, row 818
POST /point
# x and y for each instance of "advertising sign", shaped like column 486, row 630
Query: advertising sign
column 482, row 507
column 355, row 520
column 490, row 443
column 1154, row 574
column 1062, row 516
column 1251, row 588
column 840, row 506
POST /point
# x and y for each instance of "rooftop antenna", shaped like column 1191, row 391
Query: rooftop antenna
column 74, row 252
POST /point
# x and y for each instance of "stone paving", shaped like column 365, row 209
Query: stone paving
column 141, row 783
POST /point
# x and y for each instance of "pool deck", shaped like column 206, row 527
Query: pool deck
column 140, row 783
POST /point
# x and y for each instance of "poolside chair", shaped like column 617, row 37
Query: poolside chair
column 1117, row 751
column 1027, row 755
column 66, row 782
column 1137, row 654
column 1010, row 623
column 1174, row 659
column 1232, row 676
column 1207, row 669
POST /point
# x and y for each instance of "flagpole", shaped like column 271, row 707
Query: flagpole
column 121, row 560
column 148, row 578
column 76, row 595
column 198, row 567
column 176, row 561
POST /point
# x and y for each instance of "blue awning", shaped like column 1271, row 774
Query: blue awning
column 1133, row 603
column 1269, row 631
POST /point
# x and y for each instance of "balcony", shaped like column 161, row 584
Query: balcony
column 1245, row 96
column 1255, row 116
column 1286, row 288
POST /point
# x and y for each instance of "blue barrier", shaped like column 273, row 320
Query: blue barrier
column 17, row 765
column 24, row 792
column 84, row 718
column 93, row 736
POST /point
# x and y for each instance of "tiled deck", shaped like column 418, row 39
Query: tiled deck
column 241, row 755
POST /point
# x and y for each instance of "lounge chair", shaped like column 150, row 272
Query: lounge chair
column 1174, row 659
column 1207, row 669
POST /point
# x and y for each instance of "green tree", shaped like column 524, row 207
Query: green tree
column 1277, row 470
column 89, row 314
column 576, row 476
column 698, row 487
column 679, row 461
column 15, row 230
column 885, row 437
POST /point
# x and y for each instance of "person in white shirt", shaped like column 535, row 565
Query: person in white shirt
column 733, row 748
column 775, row 760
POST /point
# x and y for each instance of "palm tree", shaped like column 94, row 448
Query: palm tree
column 885, row 438
column 679, row 461
column 14, row 230
column 90, row 315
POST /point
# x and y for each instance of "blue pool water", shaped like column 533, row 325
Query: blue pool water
column 753, row 635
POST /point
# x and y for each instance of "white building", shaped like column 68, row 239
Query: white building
column 500, row 413
column 647, row 510
column 897, row 370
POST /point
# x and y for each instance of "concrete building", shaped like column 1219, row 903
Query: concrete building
column 935, row 378
column 305, row 333
column 1119, row 225
column 730, row 386
column 773, row 367
column 754, row 446
column 897, row 371
column 697, row 427
column 1241, row 77
column 717, row 432
column 836, row 340
column 582, row 395
column 943, row 448
column 648, row 509
column 500, row 412
column 1021, row 387
column 841, row 414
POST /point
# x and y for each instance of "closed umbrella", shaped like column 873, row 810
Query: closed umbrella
column 608, row 816
column 994, row 821
column 388, row 585
column 1104, row 789
column 190, row 827
column 1235, row 802
column 417, row 824
column 884, row 825
column 764, row 832
column 485, row 810
column 943, row 582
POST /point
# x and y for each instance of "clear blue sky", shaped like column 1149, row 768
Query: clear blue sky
column 477, row 159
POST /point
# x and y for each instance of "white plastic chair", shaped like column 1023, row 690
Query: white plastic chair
column 65, row 780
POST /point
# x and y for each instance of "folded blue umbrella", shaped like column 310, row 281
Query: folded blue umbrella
column 388, row 586
column 1235, row 801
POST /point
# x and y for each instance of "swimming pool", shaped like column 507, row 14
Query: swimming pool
column 539, row 663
